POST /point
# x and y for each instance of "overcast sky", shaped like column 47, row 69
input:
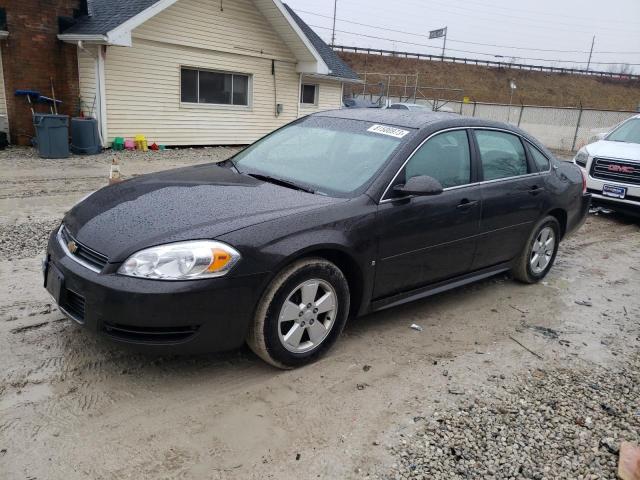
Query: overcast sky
column 537, row 26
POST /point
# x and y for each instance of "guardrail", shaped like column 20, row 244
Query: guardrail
column 487, row 63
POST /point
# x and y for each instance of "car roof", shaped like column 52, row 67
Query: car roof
column 415, row 118
column 410, row 105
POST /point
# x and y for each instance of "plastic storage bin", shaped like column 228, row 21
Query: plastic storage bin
column 85, row 139
column 118, row 143
column 52, row 135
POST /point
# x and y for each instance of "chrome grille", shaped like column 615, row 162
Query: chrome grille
column 83, row 254
column 616, row 170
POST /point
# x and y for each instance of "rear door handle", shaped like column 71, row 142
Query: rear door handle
column 466, row 204
column 535, row 190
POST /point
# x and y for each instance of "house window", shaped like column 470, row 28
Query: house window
column 309, row 94
column 218, row 88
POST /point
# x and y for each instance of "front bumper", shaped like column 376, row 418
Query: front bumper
column 194, row 316
column 629, row 204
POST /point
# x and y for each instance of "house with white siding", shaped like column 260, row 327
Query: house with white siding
column 201, row 72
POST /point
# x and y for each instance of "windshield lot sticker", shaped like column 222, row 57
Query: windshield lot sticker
column 391, row 131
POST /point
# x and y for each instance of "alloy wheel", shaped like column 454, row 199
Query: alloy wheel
column 542, row 250
column 307, row 316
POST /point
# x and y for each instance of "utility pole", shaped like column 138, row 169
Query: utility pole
column 591, row 52
column 444, row 42
column 333, row 31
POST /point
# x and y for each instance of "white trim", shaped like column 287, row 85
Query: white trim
column 101, row 93
column 121, row 35
column 75, row 38
column 3, row 34
column 321, row 67
column 316, row 95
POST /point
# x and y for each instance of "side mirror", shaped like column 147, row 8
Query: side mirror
column 420, row 185
column 600, row 136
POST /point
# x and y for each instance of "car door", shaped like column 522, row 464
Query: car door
column 425, row 239
column 512, row 196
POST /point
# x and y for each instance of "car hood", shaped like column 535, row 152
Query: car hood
column 199, row 202
column 620, row 150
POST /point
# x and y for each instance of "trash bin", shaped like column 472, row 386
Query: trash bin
column 84, row 136
column 52, row 135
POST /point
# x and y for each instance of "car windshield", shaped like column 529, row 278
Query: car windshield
column 628, row 132
column 330, row 156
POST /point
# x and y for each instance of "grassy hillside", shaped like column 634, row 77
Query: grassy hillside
column 486, row 84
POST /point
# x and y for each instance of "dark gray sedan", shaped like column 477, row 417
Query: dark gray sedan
column 335, row 215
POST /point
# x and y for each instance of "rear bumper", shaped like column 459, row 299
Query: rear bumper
column 575, row 221
column 160, row 316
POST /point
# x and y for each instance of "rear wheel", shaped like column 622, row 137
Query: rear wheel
column 539, row 253
column 301, row 314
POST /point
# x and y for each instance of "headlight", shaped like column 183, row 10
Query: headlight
column 581, row 158
column 182, row 261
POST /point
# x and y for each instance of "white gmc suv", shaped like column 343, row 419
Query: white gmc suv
column 612, row 166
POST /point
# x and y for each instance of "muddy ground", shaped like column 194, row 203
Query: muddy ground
column 73, row 406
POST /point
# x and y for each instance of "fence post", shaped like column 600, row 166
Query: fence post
column 520, row 116
column 388, row 87
column 473, row 114
column 575, row 136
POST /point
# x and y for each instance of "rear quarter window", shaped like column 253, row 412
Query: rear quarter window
column 541, row 161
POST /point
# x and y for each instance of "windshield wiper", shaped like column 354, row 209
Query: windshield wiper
column 280, row 181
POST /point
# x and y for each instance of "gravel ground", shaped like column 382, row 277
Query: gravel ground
column 557, row 423
column 74, row 406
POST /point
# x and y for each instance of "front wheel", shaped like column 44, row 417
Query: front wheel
column 539, row 253
column 301, row 314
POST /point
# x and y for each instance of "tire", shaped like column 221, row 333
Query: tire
column 278, row 326
column 526, row 268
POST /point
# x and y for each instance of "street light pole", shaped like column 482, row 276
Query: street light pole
column 333, row 30
column 591, row 52
column 512, row 86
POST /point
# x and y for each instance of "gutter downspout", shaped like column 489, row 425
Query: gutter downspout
column 102, row 51
column 100, row 100
column 299, row 94
column 275, row 88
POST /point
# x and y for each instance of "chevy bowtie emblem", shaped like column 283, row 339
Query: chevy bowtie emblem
column 72, row 246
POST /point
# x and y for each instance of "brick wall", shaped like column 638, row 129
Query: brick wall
column 32, row 55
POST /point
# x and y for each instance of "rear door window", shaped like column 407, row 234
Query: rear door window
column 502, row 154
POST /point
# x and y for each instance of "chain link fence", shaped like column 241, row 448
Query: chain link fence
column 557, row 127
column 561, row 128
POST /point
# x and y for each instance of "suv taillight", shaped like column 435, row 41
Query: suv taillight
column 584, row 181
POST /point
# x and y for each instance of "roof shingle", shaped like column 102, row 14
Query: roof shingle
column 336, row 65
column 106, row 15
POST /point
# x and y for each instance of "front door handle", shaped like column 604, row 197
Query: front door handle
column 466, row 204
column 535, row 190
